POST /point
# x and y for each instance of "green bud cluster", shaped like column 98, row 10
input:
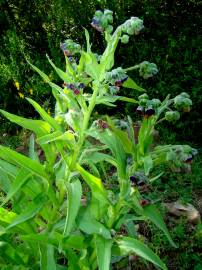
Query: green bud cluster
column 147, row 69
column 116, row 75
column 183, row 102
column 70, row 47
column 147, row 107
column 102, row 21
column 133, row 26
column 172, row 116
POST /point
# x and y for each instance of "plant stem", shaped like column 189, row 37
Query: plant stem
column 131, row 68
column 86, row 119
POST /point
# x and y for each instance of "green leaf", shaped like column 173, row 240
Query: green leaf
column 74, row 191
column 87, row 40
column 94, row 183
column 103, row 250
column 8, row 168
column 148, row 164
column 63, row 75
column 19, row 181
column 67, row 137
column 88, row 224
column 47, row 260
column 129, row 83
column 32, row 154
column 8, row 217
column 153, row 214
column 128, row 245
column 30, row 212
column 46, row 117
column 22, row 161
column 37, row 126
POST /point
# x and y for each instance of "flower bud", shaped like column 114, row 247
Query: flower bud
column 143, row 96
column 125, row 39
column 172, row 116
column 140, row 110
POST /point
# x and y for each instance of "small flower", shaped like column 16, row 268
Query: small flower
column 21, row 95
column 149, row 111
column 102, row 124
column 31, row 91
column 66, row 91
column 76, row 91
column 17, row 85
column 81, row 85
column 144, row 202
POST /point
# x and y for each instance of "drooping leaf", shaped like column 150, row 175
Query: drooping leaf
column 37, row 126
column 88, row 224
column 22, row 161
column 128, row 245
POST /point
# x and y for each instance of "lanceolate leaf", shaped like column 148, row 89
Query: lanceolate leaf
column 73, row 204
column 103, row 249
column 153, row 214
column 47, row 261
column 94, row 183
column 19, row 181
column 129, row 83
column 128, row 245
column 37, row 126
column 30, row 211
column 44, row 114
column 22, row 161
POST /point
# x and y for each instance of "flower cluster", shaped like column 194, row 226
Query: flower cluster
column 147, row 69
column 183, row 102
column 102, row 21
column 76, row 87
column 116, row 77
column 133, row 26
column 69, row 47
column 147, row 107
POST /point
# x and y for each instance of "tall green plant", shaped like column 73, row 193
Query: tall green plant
column 59, row 211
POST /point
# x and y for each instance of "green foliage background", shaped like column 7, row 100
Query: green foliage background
column 172, row 38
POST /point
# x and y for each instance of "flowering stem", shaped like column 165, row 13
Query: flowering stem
column 131, row 68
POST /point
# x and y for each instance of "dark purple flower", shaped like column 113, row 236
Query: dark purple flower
column 81, row 85
column 189, row 159
column 134, row 180
column 71, row 86
column 144, row 202
column 149, row 112
column 118, row 83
